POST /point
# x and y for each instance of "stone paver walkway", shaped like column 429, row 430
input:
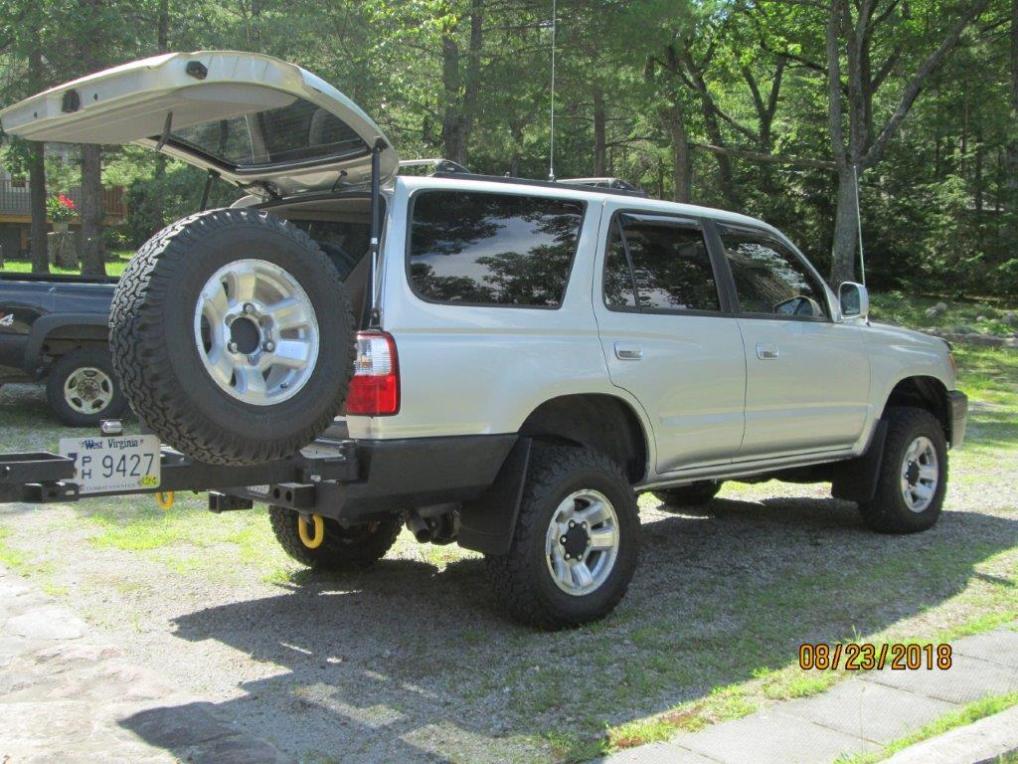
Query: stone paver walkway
column 863, row 714
column 67, row 696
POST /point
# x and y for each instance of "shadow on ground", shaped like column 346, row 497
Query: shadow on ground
column 406, row 662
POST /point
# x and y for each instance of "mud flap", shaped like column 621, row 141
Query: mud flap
column 487, row 522
column 856, row 479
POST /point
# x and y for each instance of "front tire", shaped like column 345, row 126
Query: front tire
column 82, row 388
column 576, row 541
column 913, row 474
column 342, row 549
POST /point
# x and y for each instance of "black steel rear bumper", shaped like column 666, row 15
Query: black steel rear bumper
column 959, row 410
column 395, row 475
column 344, row 479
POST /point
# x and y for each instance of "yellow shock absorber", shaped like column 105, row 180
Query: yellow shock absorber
column 315, row 541
column 164, row 499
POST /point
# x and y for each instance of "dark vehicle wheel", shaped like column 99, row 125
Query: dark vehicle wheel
column 342, row 548
column 692, row 495
column 913, row 474
column 576, row 541
column 233, row 337
column 82, row 389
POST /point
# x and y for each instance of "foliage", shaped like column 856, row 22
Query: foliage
column 643, row 88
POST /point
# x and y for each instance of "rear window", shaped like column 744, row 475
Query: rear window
column 293, row 133
column 492, row 249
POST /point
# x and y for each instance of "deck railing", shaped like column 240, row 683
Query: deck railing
column 14, row 199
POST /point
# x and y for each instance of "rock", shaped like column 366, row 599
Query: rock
column 46, row 623
column 1011, row 318
column 62, row 248
column 980, row 319
column 964, row 330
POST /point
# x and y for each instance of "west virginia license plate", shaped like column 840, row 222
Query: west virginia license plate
column 106, row 464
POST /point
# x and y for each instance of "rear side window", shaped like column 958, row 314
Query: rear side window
column 769, row 279
column 658, row 265
column 492, row 249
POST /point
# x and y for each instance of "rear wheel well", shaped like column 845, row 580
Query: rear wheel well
column 65, row 339
column 602, row 422
column 927, row 393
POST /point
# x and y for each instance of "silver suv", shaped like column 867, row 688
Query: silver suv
column 516, row 361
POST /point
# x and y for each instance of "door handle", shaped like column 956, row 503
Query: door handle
column 766, row 352
column 626, row 352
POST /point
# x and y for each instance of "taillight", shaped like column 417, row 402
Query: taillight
column 374, row 389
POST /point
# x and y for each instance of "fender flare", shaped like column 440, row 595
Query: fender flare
column 46, row 325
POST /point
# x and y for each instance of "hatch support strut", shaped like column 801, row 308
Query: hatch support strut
column 371, row 317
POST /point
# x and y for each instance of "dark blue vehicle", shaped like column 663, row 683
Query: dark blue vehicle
column 54, row 329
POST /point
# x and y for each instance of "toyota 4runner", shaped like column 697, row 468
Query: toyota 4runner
column 516, row 361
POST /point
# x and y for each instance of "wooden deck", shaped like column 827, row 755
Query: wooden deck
column 14, row 203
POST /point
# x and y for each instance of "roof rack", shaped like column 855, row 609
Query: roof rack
column 613, row 183
column 446, row 168
column 437, row 165
column 621, row 188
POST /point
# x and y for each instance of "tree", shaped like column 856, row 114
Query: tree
column 851, row 100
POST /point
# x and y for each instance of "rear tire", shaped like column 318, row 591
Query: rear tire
column 232, row 336
column 913, row 474
column 584, row 496
column 352, row 548
column 82, row 388
column 692, row 495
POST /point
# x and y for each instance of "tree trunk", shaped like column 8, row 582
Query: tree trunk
column 37, row 205
column 452, row 117
column 91, row 212
column 600, row 141
column 726, row 178
column 1012, row 144
column 163, row 45
column 846, row 230
column 682, row 161
column 460, row 92
column 37, row 175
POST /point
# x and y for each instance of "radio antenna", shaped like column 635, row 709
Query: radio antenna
column 551, row 153
column 858, row 219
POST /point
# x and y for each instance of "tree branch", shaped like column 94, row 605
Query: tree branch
column 915, row 85
column 759, row 156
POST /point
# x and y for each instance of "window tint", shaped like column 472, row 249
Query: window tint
column 619, row 290
column 492, row 249
column 290, row 133
column 667, row 264
column 770, row 279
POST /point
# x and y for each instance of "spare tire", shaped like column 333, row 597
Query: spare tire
column 233, row 337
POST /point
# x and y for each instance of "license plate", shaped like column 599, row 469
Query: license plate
column 114, row 463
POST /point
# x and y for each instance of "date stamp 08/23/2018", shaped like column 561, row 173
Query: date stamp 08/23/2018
column 867, row 656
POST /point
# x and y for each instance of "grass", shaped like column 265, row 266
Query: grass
column 116, row 261
column 967, row 714
column 708, row 632
column 983, row 316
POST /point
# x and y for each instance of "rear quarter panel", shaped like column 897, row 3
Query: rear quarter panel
column 480, row 370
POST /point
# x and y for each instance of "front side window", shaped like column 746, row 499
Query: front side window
column 659, row 266
column 770, row 279
column 492, row 249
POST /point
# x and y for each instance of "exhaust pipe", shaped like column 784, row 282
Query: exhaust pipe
column 419, row 527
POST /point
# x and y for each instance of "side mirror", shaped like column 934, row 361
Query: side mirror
column 854, row 299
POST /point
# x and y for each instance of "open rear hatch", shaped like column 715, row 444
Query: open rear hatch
column 256, row 121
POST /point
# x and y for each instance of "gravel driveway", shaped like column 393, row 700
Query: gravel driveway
column 410, row 661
